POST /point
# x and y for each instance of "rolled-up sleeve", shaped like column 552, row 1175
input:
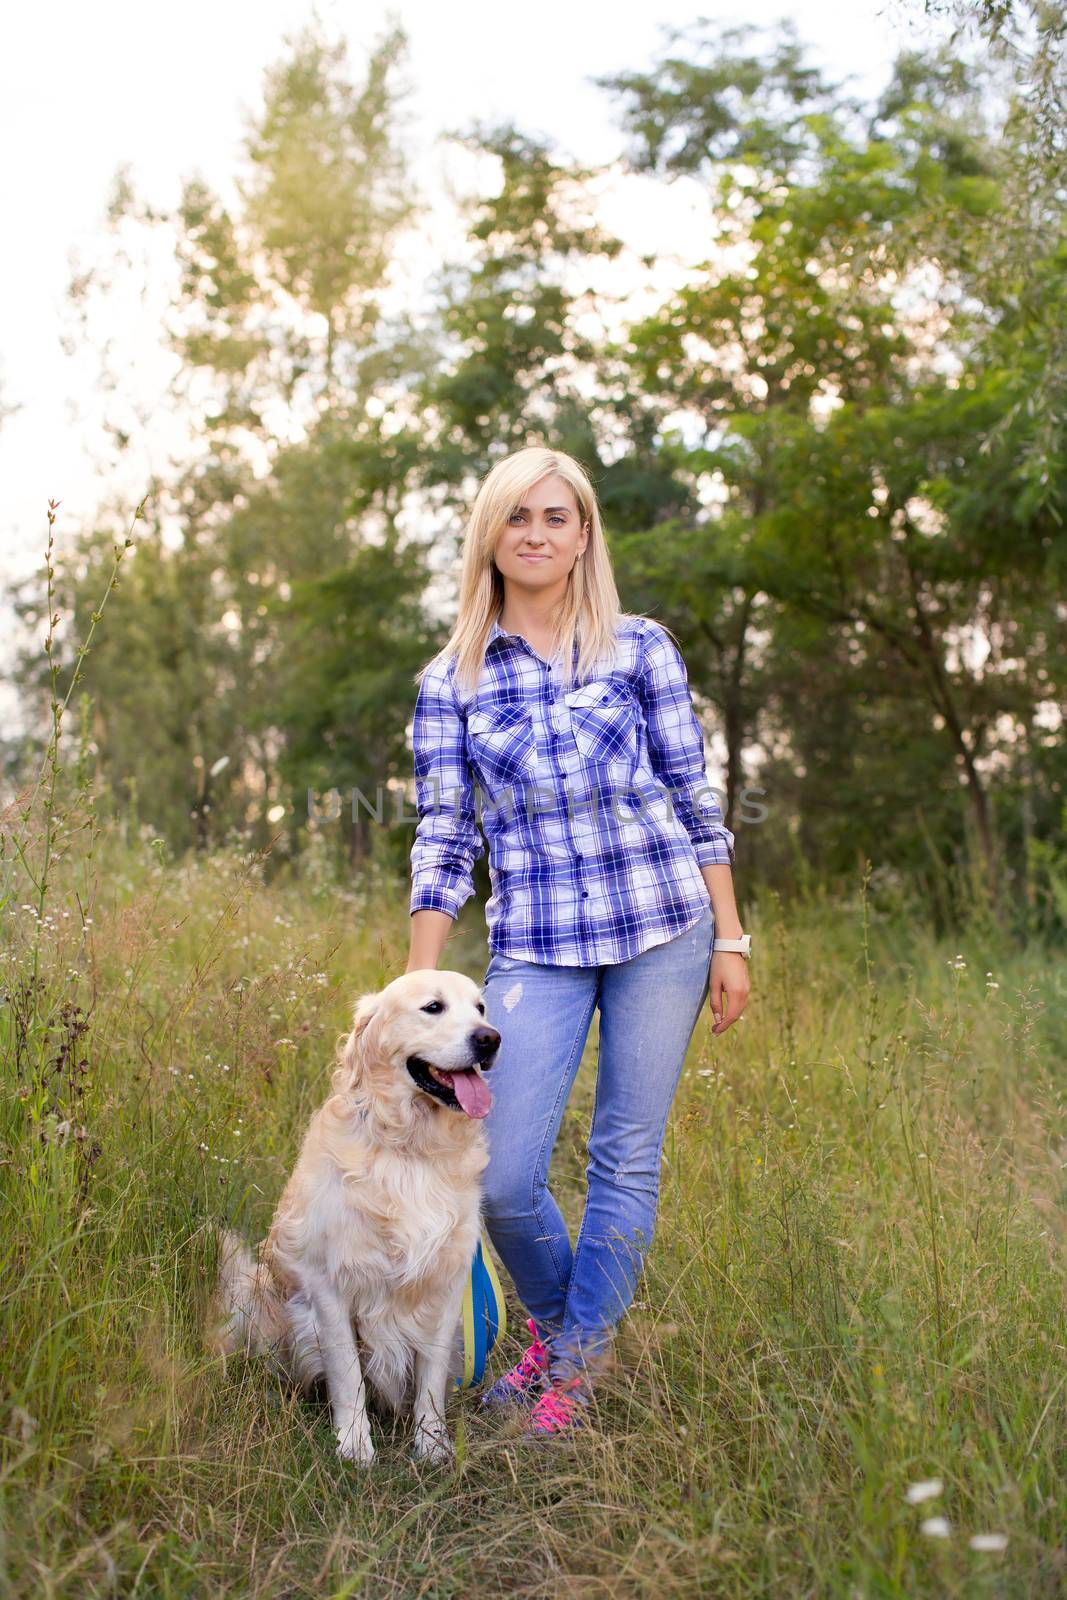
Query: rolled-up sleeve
column 676, row 747
column 447, row 838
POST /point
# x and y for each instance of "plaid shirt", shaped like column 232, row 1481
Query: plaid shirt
column 589, row 861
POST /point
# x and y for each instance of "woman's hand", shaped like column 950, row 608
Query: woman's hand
column 728, row 989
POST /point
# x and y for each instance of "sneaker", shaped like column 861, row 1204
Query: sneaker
column 517, row 1387
column 560, row 1409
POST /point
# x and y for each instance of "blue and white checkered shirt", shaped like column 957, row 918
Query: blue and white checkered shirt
column 589, row 861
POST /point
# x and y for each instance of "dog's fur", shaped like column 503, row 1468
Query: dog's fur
column 362, row 1273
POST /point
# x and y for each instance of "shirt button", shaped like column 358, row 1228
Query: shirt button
column 585, row 894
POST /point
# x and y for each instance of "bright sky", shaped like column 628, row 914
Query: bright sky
column 84, row 89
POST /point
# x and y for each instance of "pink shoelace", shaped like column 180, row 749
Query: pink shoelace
column 557, row 1409
column 532, row 1363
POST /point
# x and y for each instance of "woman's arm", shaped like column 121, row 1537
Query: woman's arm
column 429, row 932
column 447, row 838
column 729, row 984
column 720, row 882
column 676, row 749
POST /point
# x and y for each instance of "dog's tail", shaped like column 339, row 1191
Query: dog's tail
column 246, row 1312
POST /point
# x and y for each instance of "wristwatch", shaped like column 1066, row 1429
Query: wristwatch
column 743, row 946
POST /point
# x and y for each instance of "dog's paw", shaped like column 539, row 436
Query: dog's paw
column 355, row 1445
column 433, row 1445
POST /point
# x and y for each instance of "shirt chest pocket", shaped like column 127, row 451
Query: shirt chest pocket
column 604, row 719
column 500, row 743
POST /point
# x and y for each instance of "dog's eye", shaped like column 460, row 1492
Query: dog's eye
column 480, row 1007
column 434, row 1006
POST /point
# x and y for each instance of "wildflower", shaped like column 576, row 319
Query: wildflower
column 928, row 1489
column 935, row 1527
column 988, row 1541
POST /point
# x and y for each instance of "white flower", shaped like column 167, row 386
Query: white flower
column 928, row 1489
column 935, row 1527
column 988, row 1541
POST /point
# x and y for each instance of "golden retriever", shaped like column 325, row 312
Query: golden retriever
column 362, row 1273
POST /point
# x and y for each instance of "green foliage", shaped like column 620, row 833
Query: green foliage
column 832, row 460
column 354, row 640
column 868, row 426
column 509, row 319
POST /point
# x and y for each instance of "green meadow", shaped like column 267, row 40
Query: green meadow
column 857, row 1284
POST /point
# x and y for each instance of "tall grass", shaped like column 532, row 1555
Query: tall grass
column 857, row 1283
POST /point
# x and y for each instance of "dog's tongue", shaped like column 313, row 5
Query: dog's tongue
column 473, row 1093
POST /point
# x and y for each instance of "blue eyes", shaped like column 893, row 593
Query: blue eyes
column 518, row 515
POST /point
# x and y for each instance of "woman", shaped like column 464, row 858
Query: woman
column 572, row 725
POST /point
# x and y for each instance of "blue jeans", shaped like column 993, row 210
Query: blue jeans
column 649, row 1007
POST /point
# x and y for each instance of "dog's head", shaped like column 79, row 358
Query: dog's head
column 424, row 1034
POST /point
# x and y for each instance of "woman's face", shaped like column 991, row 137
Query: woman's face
column 542, row 538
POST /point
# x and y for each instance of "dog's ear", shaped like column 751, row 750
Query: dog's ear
column 351, row 1054
column 363, row 1014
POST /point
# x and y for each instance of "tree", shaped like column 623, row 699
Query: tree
column 830, row 425
column 776, row 322
column 516, row 368
column 277, row 311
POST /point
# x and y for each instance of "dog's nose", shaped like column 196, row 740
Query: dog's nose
column 485, row 1042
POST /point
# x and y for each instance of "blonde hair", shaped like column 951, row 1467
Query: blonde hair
column 590, row 612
